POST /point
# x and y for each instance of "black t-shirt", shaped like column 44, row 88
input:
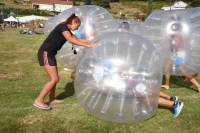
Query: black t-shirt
column 55, row 40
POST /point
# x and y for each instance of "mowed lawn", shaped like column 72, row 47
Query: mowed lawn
column 21, row 78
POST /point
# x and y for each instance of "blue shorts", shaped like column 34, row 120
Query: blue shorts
column 179, row 61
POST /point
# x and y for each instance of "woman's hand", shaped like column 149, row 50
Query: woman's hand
column 76, row 41
column 92, row 46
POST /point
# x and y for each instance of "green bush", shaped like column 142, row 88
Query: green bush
column 17, row 2
column 195, row 3
column 18, row 11
column 104, row 4
column 2, row 4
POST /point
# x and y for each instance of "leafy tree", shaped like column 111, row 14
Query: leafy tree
column 87, row 2
column 149, row 6
column 195, row 3
column 105, row 3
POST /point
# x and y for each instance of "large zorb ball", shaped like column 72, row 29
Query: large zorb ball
column 68, row 55
column 119, row 80
column 129, row 26
column 94, row 20
column 178, row 32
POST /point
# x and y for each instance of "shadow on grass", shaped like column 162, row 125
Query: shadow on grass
column 179, row 82
column 165, row 108
column 68, row 91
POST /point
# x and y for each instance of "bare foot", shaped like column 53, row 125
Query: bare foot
column 165, row 86
column 186, row 79
column 198, row 90
column 56, row 101
column 41, row 105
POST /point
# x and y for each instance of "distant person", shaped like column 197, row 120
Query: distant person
column 176, row 61
column 46, row 56
column 106, row 74
column 1, row 25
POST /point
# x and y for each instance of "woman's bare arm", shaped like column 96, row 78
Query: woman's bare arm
column 76, row 41
column 82, row 40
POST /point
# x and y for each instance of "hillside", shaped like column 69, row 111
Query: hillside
column 129, row 8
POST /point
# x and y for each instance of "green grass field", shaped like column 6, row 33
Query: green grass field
column 21, row 78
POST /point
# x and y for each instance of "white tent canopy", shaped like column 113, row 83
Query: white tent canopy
column 180, row 4
column 175, row 6
column 11, row 19
column 26, row 19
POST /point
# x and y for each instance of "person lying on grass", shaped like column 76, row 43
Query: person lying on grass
column 171, row 102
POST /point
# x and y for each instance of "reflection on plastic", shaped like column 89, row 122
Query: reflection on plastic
column 177, row 31
column 94, row 20
column 68, row 56
column 118, row 80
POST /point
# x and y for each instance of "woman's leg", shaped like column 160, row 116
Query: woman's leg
column 167, row 81
column 196, row 83
column 167, row 74
column 52, row 94
column 190, row 77
column 164, row 95
column 175, row 107
column 53, row 75
column 165, row 102
column 52, row 91
column 52, row 97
